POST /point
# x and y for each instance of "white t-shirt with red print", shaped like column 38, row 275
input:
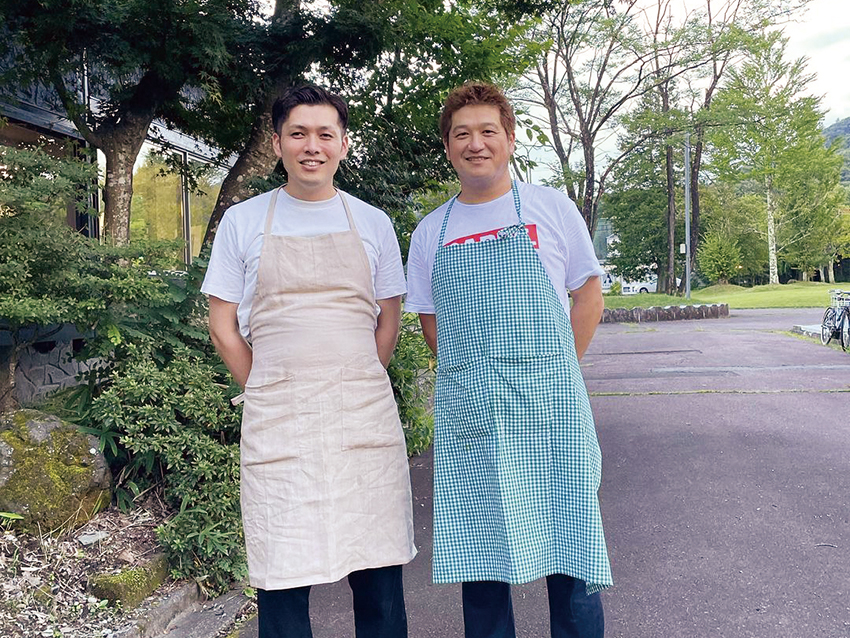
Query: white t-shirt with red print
column 555, row 226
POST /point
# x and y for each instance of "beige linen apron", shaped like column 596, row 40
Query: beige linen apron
column 325, row 483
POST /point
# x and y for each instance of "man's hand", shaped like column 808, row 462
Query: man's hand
column 586, row 312
column 386, row 332
column 228, row 341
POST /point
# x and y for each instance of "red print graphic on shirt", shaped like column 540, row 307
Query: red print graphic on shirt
column 492, row 234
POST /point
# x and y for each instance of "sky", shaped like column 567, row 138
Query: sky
column 823, row 36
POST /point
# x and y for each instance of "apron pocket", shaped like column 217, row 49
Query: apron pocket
column 464, row 401
column 369, row 412
column 523, row 394
column 270, row 423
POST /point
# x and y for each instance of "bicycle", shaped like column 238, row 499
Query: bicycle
column 836, row 319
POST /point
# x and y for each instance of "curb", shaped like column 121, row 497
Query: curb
column 209, row 620
column 808, row 331
column 665, row 313
column 152, row 619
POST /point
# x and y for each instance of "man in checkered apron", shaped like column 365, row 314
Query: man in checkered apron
column 516, row 460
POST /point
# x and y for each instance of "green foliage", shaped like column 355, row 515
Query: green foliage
column 412, row 377
column 178, row 426
column 741, row 217
column 776, row 150
column 616, row 289
column 638, row 217
column 719, row 257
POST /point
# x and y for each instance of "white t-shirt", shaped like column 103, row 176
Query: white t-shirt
column 554, row 224
column 232, row 272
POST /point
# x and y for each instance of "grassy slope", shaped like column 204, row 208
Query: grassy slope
column 795, row 295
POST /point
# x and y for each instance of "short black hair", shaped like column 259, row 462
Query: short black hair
column 307, row 94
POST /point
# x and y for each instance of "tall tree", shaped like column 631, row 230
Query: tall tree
column 728, row 27
column 600, row 59
column 776, row 142
column 393, row 60
column 142, row 57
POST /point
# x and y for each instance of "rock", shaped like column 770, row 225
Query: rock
column 51, row 473
column 130, row 586
column 94, row 537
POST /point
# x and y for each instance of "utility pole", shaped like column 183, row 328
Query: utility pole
column 687, row 215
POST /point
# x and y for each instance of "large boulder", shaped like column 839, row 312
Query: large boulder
column 51, row 473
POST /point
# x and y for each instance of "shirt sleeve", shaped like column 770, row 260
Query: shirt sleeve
column 389, row 275
column 225, row 276
column 581, row 263
column 419, row 294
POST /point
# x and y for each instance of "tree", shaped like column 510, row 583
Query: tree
column 728, row 27
column 143, row 59
column 50, row 274
column 776, row 143
column 638, row 220
column 719, row 257
column 742, row 218
column 601, row 58
column 394, row 62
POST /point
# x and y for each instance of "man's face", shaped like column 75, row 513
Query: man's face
column 311, row 144
column 479, row 147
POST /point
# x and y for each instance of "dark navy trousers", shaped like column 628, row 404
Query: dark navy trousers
column 488, row 611
column 378, row 607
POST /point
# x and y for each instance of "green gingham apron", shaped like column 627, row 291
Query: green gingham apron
column 517, row 464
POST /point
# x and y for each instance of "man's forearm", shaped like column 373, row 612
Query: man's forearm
column 237, row 356
column 386, row 331
column 228, row 341
column 584, row 319
column 588, row 305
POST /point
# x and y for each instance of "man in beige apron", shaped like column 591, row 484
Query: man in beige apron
column 311, row 278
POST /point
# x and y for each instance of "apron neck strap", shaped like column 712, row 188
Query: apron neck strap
column 517, row 207
column 270, row 214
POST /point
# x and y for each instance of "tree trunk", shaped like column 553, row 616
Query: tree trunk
column 121, row 154
column 589, row 184
column 771, row 234
column 696, row 160
column 256, row 159
column 670, row 283
column 830, row 271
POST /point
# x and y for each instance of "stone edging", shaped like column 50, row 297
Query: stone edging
column 666, row 313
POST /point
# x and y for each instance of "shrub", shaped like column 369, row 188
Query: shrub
column 179, row 427
column 719, row 257
column 412, row 378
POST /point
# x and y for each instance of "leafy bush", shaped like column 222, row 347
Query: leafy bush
column 179, row 427
column 411, row 375
column 719, row 257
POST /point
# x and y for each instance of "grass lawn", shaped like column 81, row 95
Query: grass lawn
column 793, row 295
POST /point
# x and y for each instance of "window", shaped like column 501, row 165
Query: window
column 163, row 205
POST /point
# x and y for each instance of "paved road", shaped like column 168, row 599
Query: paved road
column 725, row 492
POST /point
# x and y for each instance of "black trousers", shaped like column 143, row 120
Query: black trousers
column 488, row 611
column 378, row 607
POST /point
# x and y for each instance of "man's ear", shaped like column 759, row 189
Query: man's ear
column 511, row 143
column 276, row 145
column 345, row 143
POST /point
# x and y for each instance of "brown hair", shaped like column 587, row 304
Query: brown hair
column 473, row 93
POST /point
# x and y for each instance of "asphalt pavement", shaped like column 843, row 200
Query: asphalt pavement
column 725, row 491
